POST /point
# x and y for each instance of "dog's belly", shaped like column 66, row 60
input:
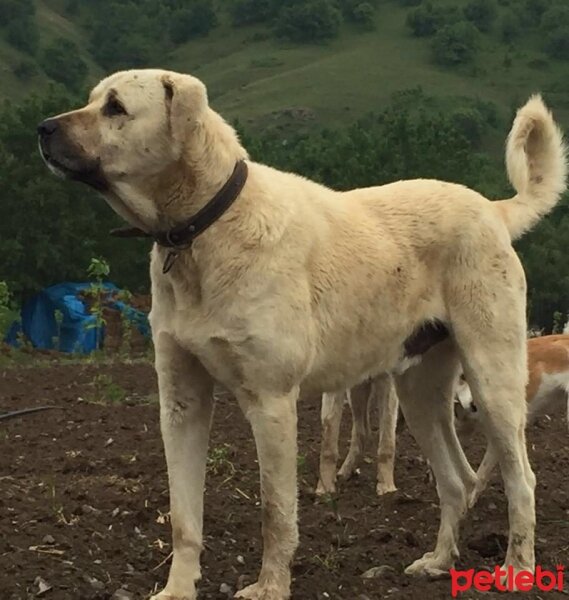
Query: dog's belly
column 396, row 357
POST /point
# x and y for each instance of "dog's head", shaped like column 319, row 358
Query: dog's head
column 142, row 134
column 465, row 411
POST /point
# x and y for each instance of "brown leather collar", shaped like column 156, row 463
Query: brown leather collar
column 182, row 236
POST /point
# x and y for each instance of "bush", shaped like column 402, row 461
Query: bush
column 15, row 10
column 509, row 27
column 481, row 13
column 557, row 43
column 23, row 34
column 25, row 70
column 427, row 19
column 455, row 44
column 555, row 27
column 313, row 21
column 249, row 12
column 363, row 15
column 197, row 20
column 61, row 61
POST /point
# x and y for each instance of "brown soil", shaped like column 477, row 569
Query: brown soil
column 83, row 499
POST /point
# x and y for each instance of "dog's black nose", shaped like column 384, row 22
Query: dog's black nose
column 47, row 127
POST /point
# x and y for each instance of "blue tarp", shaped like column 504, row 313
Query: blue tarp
column 77, row 332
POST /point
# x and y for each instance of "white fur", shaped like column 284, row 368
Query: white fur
column 299, row 286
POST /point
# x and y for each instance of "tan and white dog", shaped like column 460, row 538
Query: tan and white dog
column 297, row 285
column 547, row 391
column 379, row 391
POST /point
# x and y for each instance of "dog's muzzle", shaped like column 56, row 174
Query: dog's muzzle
column 65, row 159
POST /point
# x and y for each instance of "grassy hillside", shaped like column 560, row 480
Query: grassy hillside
column 264, row 81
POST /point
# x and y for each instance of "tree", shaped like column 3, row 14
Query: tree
column 428, row 19
column 196, row 20
column 555, row 26
column 61, row 61
column 249, row 12
column 313, row 21
column 49, row 229
column 509, row 27
column 482, row 13
column 23, row 34
column 455, row 44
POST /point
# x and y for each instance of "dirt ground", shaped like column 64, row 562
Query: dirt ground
column 84, row 502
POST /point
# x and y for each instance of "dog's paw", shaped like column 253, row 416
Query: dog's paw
column 431, row 566
column 385, row 488
column 165, row 595
column 263, row 592
column 322, row 490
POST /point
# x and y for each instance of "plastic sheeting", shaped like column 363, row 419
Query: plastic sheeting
column 77, row 331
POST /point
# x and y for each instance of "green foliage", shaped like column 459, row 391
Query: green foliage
column 455, row 44
column 98, row 270
column 555, row 27
column 510, row 28
column 25, row 70
column 198, row 19
column 311, row 21
column 49, row 229
column 427, row 19
column 482, row 13
column 249, row 12
column 8, row 310
column 61, row 61
column 23, row 34
column 360, row 13
column 14, row 10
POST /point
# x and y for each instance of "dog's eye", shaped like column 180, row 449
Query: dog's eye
column 113, row 108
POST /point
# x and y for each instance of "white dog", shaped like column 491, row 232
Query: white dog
column 379, row 391
column 266, row 282
column 546, row 392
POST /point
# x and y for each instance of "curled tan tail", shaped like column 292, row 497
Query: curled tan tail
column 537, row 167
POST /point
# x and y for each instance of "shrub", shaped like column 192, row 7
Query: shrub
column 23, row 34
column 481, row 13
column 249, row 12
column 427, row 19
column 509, row 27
column 455, row 44
column 313, row 21
column 61, row 61
column 557, row 43
column 197, row 20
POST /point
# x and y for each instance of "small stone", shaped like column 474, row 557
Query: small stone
column 240, row 560
column 122, row 594
column 376, row 572
column 492, row 506
column 225, row 589
column 115, row 512
column 48, row 539
column 43, row 586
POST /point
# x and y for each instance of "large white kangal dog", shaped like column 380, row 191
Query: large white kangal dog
column 288, row 283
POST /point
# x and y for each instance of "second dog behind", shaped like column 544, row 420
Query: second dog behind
column 361, row 398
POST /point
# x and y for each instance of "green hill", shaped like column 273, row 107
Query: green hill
column 264, row 80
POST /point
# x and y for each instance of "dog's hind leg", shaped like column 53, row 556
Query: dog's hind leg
column 359, row 398
column 488, row 320
column 425, row 393
column 186, row 408
column 331, row 416
column 273, row 420
column 383, row 390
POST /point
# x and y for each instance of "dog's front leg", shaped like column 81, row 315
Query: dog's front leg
column 273, row 420
column 186, row 408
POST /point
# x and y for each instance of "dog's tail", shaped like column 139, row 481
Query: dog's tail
column 537, row 167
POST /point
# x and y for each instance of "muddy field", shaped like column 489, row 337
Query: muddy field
column 83, row 500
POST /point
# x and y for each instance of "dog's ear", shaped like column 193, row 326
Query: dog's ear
column 185, row 98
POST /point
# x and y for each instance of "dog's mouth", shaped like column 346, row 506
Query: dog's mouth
column 88, row 172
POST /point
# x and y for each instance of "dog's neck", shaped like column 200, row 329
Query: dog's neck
column 206, row 164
